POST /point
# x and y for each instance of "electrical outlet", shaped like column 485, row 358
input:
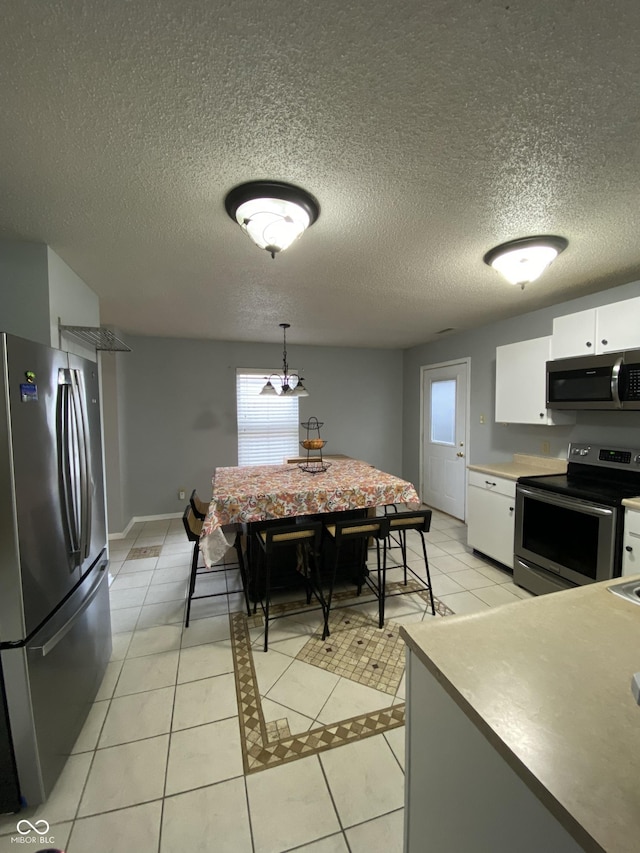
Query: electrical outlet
column 182, row 494
column 546, row 448
column 481, row 419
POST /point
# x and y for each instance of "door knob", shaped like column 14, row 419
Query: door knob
column 628, row 548
column 459, row 454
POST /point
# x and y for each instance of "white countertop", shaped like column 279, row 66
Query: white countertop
column 522, row 465
column 548, row 682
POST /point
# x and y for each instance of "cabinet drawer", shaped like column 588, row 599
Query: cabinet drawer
column 493, row 484
column 632, row 522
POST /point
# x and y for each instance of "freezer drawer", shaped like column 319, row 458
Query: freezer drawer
column 52, row 682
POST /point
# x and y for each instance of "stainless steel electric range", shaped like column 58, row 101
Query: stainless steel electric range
column 569, row 527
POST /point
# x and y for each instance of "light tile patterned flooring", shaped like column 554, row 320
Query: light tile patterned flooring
column 158, row 767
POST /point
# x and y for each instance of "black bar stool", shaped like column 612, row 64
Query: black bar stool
column 200, row 508
column 358, row 530
column 399, row 524
column 193, row 528
column 307, row 536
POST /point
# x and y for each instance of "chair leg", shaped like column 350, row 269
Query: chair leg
column 327, row 605
column 253, row 554
column 243, row 571
column 192, row 582
column 427, row 573
column 307, row 557
column 359, row 565
column 382, row 583
column 267, row 598
column 403, row 550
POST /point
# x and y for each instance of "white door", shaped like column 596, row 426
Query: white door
column 444, row 436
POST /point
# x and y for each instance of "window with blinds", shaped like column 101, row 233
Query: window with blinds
column 267, row 426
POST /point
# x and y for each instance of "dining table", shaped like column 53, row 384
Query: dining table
column 253, row 493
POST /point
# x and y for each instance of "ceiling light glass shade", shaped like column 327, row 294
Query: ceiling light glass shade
column 269, row 389
column 272, row 214
column 272, row 224
column 523, row 261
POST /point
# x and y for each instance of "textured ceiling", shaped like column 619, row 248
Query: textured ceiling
column 428, row 131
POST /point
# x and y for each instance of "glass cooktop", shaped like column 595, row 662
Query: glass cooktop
column 595, row 473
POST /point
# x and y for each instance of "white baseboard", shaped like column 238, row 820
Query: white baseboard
column 143, row 518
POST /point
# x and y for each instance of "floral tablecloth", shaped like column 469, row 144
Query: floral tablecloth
column 260, row 492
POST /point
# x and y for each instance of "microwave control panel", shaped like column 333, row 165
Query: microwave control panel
column 632, row 377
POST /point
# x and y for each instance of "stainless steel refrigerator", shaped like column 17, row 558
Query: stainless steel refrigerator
column 55, row 630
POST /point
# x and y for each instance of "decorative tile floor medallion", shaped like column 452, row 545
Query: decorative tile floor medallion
column 141, row 553
column 359, row 651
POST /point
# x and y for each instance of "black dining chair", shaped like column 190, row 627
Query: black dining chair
column 200, row 508
column 359, row 531
column 400, row 523
column 193, row 528
column 272, row 540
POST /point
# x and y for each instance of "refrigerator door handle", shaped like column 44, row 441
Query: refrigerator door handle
column 61, row 633
column 67, row 466
column 85, row 464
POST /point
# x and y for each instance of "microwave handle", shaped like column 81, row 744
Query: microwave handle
column 615, row 382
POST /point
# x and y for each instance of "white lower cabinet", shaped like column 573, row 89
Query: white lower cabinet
column 491, row 503
column 631, row 543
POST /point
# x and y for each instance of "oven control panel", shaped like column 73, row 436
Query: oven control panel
column 607, row 457
column 623, row 456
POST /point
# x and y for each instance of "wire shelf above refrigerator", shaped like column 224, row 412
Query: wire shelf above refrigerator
column 96, row 336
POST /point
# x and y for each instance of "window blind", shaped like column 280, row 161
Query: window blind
column 267, row 426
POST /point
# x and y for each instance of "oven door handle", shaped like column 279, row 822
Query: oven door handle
column 568, row 503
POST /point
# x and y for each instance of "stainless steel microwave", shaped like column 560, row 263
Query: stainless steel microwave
column 610, row 381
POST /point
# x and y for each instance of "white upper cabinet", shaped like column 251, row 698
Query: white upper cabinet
column 574, row 334
column 521, row 384
column 598, row 330
column 618, row 326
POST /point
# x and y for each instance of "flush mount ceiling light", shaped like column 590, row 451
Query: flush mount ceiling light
column 522, row 261
column 273, row 214
column 289, row 384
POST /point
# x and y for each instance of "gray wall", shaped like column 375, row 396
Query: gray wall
column 114, row 431
column 177, row 402
column 494, row 442
column 24, row 290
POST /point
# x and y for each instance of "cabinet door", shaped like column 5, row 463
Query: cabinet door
column 521, row 382
column 631, row 543
column 491, row 524
column 617, row 326
column 574, row 334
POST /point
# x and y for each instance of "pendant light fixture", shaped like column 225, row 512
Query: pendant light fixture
column 287, row 384
column 273, row 214
column 523, row 261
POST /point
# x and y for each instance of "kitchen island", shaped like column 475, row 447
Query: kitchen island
column 522, row 731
